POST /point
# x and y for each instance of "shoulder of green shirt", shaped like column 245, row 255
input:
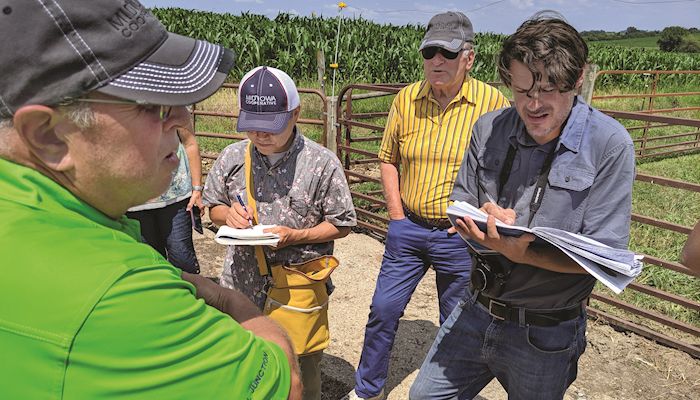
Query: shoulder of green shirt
column 221, row 358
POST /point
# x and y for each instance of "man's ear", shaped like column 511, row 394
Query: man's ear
column 37, row 128
column 579, row 81
column 296, row 114
column 470, row 55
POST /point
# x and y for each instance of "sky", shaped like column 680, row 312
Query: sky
column 499, row 16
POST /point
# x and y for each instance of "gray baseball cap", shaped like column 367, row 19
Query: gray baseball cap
column 448, row 30
column 53, row 51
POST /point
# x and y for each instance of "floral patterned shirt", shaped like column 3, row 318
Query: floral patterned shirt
column 304, row 188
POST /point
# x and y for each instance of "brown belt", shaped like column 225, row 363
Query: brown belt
column 440, row 223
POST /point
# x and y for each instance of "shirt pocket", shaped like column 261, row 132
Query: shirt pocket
column 304, row 212
column 490, row 163
column 489, row 166
column 566, row 197
column 574, row 179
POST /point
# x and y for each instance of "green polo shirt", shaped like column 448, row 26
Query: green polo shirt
column 88, row 312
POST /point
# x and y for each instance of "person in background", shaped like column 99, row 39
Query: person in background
column 167, row 220
column 298, row 185
column 427, row 132
column 92, row 95
column 552, row 161
column 690, row 256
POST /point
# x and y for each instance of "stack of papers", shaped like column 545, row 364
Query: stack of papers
column 615, row 268
column 253, row 236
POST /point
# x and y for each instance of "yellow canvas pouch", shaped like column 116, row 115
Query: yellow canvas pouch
column 297, row 298
column 298, row 301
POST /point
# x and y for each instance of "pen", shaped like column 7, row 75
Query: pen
column 488, row 196
column 240, row 201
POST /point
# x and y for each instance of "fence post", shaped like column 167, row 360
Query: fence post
column 321, row 69
column 650, row 108
column 193, row 115
column 589, row 75
column 331, row 121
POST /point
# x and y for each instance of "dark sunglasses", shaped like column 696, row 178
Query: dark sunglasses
column 429, row 52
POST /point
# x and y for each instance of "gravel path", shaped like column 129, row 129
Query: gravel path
column 616, row 365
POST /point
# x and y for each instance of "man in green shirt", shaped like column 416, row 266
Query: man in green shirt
column 91, row 98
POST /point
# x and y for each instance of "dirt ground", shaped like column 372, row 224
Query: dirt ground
column 616, row 365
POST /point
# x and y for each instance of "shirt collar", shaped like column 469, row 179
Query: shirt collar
column 297, row 145
column 572, row 135
column 33, row 189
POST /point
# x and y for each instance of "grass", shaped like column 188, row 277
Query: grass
column 654, row 137
column 648, row 42
column 225, row 101
column 673, row 205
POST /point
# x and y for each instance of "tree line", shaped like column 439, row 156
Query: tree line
column 672, row 38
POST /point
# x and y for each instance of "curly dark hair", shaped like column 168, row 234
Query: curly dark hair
column 550, row 41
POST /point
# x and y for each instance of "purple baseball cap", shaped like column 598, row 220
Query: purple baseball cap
column 54, row 51
column 267, row 98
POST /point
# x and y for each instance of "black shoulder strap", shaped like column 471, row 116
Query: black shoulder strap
column 538, row 194
column 541, row 181
column 505, row 171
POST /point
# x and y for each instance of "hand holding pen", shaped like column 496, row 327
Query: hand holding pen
column 505, row 215
column 240, row 201
column 486, row 193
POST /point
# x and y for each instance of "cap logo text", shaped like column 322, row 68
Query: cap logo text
column 129, row 19
column 257, row 100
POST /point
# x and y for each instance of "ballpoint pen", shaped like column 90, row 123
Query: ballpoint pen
column 240, row 201
column 488, row 196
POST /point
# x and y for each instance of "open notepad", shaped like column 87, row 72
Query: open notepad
column 253, row 236
column 615, row 268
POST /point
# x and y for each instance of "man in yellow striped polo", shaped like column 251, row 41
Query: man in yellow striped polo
column 426, row 136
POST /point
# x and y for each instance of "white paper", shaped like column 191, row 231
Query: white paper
column 460, row 209
column 615, row 268
column 246, row 237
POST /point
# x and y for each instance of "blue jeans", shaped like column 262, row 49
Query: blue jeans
column 169, row 231
column 410, row 250
column 471, row 348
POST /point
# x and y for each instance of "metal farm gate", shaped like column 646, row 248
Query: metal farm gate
column 352, row 126
column 230, row 90
column 358, row 134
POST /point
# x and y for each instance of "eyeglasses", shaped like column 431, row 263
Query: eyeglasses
column 162, row 111
column 430, row 52
column 536, row 91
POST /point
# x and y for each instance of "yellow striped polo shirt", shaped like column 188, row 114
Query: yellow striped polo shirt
column 431, row 143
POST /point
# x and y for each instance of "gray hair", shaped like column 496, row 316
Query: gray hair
column 78, row 113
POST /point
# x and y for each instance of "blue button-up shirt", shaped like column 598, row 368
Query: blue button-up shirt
column 589, row 190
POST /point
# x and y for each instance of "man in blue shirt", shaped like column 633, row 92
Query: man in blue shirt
column 554, row 161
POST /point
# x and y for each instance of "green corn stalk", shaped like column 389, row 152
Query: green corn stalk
column 370, row 52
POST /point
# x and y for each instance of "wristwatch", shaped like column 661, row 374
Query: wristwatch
column 198, row 188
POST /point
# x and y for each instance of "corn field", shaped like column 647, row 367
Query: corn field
column 374, row 53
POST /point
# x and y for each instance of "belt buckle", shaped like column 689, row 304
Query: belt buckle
column 498, row 303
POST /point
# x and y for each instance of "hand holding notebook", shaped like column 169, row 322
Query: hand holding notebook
column 252, row 236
